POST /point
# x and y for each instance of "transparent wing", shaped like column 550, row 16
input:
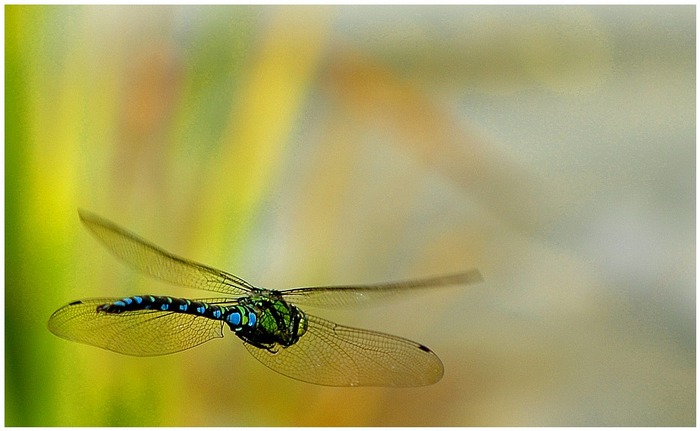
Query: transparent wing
column 138, row 333
column 157, row 262
column 343, row 296
column 333, row 355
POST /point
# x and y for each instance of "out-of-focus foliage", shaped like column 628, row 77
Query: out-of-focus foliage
column 553, row 148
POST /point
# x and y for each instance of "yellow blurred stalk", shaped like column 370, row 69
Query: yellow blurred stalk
column 262, row 117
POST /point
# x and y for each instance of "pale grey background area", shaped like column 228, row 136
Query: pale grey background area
column 581, row 124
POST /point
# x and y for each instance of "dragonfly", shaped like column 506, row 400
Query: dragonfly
column 269, row 322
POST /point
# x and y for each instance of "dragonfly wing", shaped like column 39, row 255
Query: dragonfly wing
column 343, row 296
column 157, row 262
column 137, row 333
column 333, row 355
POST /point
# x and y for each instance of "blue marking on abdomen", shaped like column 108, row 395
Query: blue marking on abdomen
column 238, row 317
column 234, row 318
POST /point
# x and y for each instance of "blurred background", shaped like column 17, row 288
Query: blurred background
column 552, row 148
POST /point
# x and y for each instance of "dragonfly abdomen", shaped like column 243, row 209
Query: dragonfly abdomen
column 236, row 316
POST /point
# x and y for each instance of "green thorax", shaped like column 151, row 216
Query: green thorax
column 279, row 323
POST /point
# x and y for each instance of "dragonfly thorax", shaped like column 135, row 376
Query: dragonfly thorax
column 278, row 323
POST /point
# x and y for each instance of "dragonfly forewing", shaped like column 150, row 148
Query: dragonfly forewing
column 161, row 264
column 346, row 296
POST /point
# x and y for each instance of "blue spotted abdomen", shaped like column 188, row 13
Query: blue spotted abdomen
column 236, row 316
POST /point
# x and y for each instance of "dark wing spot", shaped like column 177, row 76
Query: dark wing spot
column 423, row 348
column 76, row 302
